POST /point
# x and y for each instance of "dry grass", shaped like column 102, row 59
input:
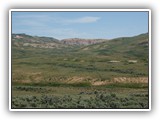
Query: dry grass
column 96, row 82
column 130, row 80
column 37, row 77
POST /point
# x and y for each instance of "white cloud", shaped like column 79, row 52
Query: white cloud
column 32, row 23
column 62, row 33
column 31, row 20
column 44, row 19
column 54, row 26
column 59, row 33
column 87, row 19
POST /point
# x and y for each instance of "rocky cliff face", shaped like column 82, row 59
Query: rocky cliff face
column 78, row 41
column 23, row 40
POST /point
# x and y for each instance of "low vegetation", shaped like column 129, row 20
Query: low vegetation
column 99, row 100
column 63, row 76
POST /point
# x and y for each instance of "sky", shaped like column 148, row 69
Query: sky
column 62, row 25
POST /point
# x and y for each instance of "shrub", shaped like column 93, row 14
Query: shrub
column 100, row 100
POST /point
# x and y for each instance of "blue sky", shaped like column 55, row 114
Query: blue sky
column 63, row 25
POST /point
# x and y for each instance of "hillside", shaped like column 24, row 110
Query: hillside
column 47, row 73
column 79, row 41
column 23, row 40
column 121, row 57
column 120, row 48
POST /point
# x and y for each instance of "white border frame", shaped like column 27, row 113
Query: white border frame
column 89, row 10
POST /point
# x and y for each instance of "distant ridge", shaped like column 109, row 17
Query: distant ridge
column 24, row 40
column 35, row 41
column 79, row 41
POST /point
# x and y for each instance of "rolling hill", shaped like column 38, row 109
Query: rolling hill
column 48, row 73
column 125, row 47
column 23, row 40
column 49, row 42
column 120, row 57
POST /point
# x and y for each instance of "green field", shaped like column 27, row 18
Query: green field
column 111, row 74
